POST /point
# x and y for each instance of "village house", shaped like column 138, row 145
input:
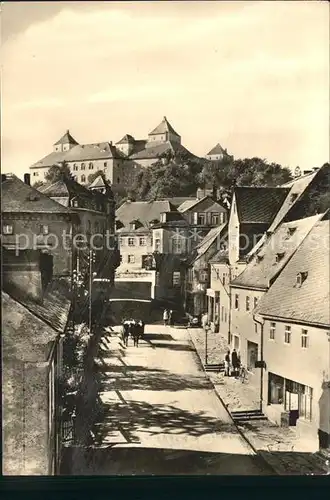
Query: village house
column 32, row 343
column 250, row 286
column 140, row 246
column 203, row 213
column 197, row 279
column 119, row 162
column 294, row 322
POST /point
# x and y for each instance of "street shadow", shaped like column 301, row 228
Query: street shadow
column 158, row 336
column 172, row 347
column 114, row 460
column 126, row 378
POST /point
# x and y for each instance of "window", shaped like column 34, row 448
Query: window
column 75, row 166
column 176, row 245
column 105, row 164
column 236, row 301
column 7, row 229
column 83, row 178
column 215, row 219
column 247, row 303
column 272, row 330
column 82, row 167
column 44, row 229
column 201, row 219
column 176, row 278
column 157, row 244
column 279, row 256
column 203, row 275
column 275, row 389
column 224, row 279
column 121, row 241
column 91, row 166
column 300, row 278
column 255, row 302
column 222, row 218
column 36, row 174
column 304, row 339
column 287, row 335
column 290, row 232
column 131, row 259
column 131, row 242
column 142, row 241
column 75, row 203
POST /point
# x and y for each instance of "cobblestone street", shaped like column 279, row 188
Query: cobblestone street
column 161, row 414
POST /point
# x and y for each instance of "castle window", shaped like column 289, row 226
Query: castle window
column 91, row 166
column 82, row 166
column 7, row 229
column 75, row 166
column 83, row 178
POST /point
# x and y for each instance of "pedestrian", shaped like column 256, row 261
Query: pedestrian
column 227, row 364
column 170, row 317
column 204, row 321
column 165, row 317
column 234, row 362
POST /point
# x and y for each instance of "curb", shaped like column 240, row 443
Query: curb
column 241, row 433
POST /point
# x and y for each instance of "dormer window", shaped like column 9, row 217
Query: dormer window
column 290, row 232
column 279, row 257
column 259, row 258
column 300, row 278
column 163, row 217
column 75, row 203
column 133, row 225
column 293, row 197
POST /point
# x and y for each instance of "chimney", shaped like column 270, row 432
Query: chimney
column 27, row 179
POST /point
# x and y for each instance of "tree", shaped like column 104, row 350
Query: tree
column 38, row 184
column 91, row 178
column 58, row 172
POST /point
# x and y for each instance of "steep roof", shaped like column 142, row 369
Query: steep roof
column 54, row 308
column 188, row 204
column 163, row 127
column 97, row 183
column 208, row 240
column 126, row 139
column 143, row 211
column 263, row 268
column 218, row 149
column 66, row 139
column 308, row 303
column 258, row 204
column 25, row 337
column 20, row 197
column 80, row 153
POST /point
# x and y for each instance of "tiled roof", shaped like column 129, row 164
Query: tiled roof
column 308, row 303
column 79, row 153
column 54, row 308
column 179, row 200
column 218, row 149
column 126, row 139
column 208, row 240
column 188, row 204
column 157, row 151
column 20, row 197
column 163, row 127
column 66, row 139
column 143, row 211
column 259, row 204
column 263, row 268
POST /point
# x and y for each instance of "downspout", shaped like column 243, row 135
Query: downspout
column 261, row 322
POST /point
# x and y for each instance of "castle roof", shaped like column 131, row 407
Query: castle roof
column 66, row 139
column 126, row 139
column 218, row 149
column 164, row 127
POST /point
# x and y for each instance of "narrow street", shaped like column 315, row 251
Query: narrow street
column 160, row 414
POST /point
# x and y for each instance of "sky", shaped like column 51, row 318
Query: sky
column 253, row 76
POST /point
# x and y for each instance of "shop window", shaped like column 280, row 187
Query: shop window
column 275, row 389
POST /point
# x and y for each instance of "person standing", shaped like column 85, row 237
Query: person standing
column 165, row 317
column 227, row 364
column 235, row 362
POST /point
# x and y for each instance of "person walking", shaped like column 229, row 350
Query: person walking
column 227, row 364
column 235, row 362
column 165, row 317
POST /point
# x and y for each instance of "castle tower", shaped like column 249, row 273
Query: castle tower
column 164, row 132
column 65, row 143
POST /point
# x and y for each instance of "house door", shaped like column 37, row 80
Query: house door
column 252, row 355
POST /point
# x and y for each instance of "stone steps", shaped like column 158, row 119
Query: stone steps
column 248, row 415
